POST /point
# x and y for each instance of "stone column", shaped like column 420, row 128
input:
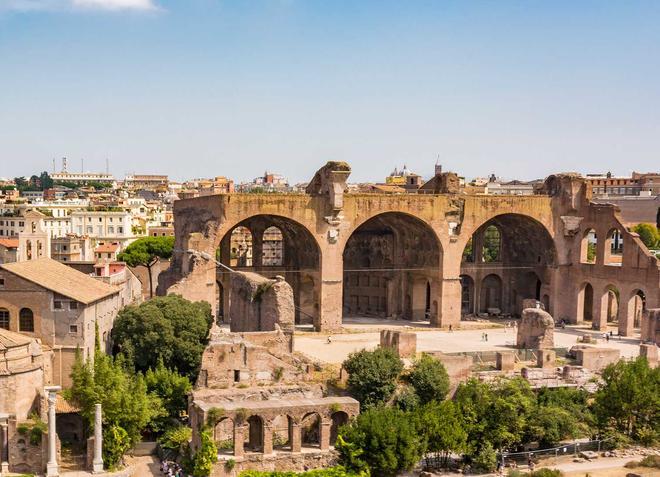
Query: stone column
column 324, row 437
column 4, row 444
column 599, row 319
column 268, row 439
column 295, row 437
column 52, row 468
column 97, row 464
column 239, row 438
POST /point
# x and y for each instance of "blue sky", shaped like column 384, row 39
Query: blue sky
column 216, row 87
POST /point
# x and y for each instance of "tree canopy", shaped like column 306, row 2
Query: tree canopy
column 145, row 252
column 429, row 379
column 168, row 329
column 372, row 375
column 648, row 234
column 629, row 401
column 384, row 440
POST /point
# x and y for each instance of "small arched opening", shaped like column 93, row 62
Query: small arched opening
column 223, row 435
column 339, row 419
column 588, row 248
column 492, row 249
column 241, row 247
column 272, row 247
column 26, row 320
column 491, row 293
column 282, row 426
column 4, row 318
column 467, row 295
column 614, row 248
column 310, row 427
column 587, row 301
column 254, row 437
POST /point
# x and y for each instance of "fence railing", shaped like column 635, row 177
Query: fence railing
column 567, row 449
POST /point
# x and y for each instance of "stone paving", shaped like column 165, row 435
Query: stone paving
column 362, row 333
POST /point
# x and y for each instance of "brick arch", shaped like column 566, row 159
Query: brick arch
column 404, row 212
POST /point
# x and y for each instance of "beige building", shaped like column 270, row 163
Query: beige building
column 71, row 248
column 48, row 300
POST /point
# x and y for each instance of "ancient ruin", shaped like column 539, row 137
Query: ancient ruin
column 536, row 329
column 437, row 256
column 259, row 399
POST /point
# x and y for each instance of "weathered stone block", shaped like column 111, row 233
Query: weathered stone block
column 403, row 343
column 505, row 360
column 536, row 330
column 546, row 358
column 594, row 358
column 650, row 352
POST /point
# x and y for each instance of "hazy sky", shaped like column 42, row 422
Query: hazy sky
column 217, row 87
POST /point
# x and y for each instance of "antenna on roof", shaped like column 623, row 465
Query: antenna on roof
column 82, row 164
column 107, row 165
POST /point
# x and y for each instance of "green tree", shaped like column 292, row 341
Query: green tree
column 146, row 252
column 21, row 183
column 372, row 375
column 172, row 389
column 648, row 234
column 170, row 329
column 548, row 425
column 122, row 394
column 46, row 181
column 206, row 455
column 115, row 444
column 443, row 429
column 629, row 401
column 383, row 439
column 429, row 378
column 495, row 413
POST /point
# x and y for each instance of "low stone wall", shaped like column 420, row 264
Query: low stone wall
column 283, row 462
column 595, row 359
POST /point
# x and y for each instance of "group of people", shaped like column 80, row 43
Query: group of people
column 484, row 336
column 171, row 469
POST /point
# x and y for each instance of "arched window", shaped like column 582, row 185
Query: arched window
column 614, row 248
column 588, row 248
column 4, row 318
column 273, row 247
column 26, row 320
column 492, row 244
column 241, row 247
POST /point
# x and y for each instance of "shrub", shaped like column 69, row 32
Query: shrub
column 206, row 456
column 486, row 458
column 429, row 379
column 652, row 461
column 115, row 444
column 546, row 473
column 175, row 438
column 373, row 375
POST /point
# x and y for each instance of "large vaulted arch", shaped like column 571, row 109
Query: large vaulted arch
column 392, row 269
column 509, row 258
column 273, row 245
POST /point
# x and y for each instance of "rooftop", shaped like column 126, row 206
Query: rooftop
column 62, row 279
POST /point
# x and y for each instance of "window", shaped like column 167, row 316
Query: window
column 111, row 229
column 100, row 219
column 90, row 229
column 2, row 282
column 73, row 305
column 26, row 320
column 73, row 328
column 57, row 304
column 4, row 318
column 120, row 230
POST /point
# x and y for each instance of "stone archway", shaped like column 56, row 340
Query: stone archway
column 392, row 269
column 278, row 246
column 520, row 251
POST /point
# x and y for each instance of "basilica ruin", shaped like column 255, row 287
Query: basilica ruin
column 437, row 255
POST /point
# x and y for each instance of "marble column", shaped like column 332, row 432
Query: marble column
column 52, row 468
column 4, row 444
column 97, row 463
